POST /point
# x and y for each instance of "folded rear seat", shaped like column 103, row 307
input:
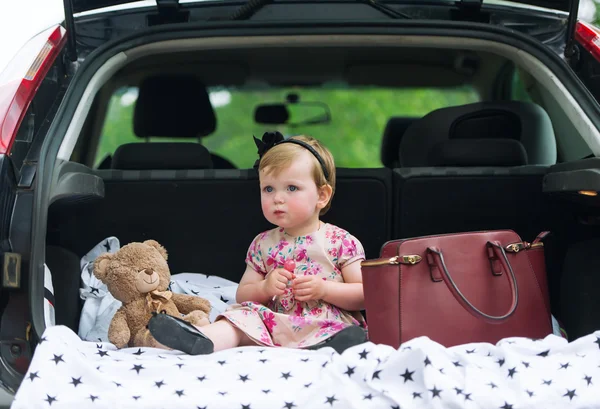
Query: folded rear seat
column 474, row 167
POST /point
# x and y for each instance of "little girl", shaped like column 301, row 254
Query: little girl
column 302, row 287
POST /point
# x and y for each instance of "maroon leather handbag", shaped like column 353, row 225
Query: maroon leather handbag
column 457, row 288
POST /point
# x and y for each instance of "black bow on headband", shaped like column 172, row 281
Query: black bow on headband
column 269, row 139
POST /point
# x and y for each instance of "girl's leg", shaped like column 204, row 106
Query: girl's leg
column 224, row 335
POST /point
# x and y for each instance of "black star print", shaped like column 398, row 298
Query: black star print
column 263, row 360
column 512, row 372
column 570, row 394
column 222, row 362
column 597, row 341
column 102, row 353
column 137, row 368
column 457, row 364
column 161, row 357
column 304, row 359
column 407, row 375
column 118, row 384
column 458, row 391
column 500, row 362
column 98, row 368
column 139, row 352
column 223, row 299
column 94, row 290
column 564, row 366
column 195, row 292
column 588, row 379
column 179, row 365
column 506, row 406
column 525, row 364
column 442, row 371
column 75, row 381
column 50, row 399
column 369, row 397
column 472, row 351
column 395, row 407
column 201, row 378
column 99, row 346
column 179, row 393
column 136, row 397
column 376, row 374
column 308, row 385
column 93, row 398
column 427, row 361
column 548, row 382
column 266, row 391
column 107, row 246
column 405, row 348
column 416, row 395
column 222, row 393
column 350, row 371
column 468, row 396
column 435, row 392
column 492, row 385
column 33, row 375
column 364, row 353
column 325, row 364
column 530, row 393
column 245, row 406
column 57, row 359
column 544, row 354
column 244, row 378
column 42, row 339
column 331, row 399
column 289, row 405
column 286, row 375
column 159, row 384
column 261, row 351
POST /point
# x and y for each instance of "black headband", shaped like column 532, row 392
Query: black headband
column 271, row 139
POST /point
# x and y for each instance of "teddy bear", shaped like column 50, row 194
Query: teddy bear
column 138, row 275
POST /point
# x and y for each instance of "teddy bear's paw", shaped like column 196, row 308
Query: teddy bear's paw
column 197, row 318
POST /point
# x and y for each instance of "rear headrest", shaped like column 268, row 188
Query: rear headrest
column 161, row 155
column 478, row 152
column 173, row 107
column 524, row 122
column 392, row 135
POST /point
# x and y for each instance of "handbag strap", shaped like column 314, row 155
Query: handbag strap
column 512, row 281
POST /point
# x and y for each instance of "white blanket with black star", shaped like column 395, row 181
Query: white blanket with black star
column 517, row 373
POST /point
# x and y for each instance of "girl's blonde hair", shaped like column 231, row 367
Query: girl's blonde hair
column 281, row 156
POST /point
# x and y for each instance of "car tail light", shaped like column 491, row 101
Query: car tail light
column 589, row 37
column 22, row 78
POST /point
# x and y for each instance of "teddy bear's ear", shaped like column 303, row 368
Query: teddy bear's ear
column 158, row 247
column 100, row 265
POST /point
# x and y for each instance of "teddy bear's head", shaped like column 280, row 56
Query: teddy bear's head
column 134, row 270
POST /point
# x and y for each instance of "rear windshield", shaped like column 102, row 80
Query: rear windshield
column 353, row 134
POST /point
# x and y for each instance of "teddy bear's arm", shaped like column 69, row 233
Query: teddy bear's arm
column 118, row 331
column 188, row 303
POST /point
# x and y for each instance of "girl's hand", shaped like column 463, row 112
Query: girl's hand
column 309, row 288
column 276, row 281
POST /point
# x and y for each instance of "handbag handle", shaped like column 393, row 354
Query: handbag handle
column 497, row 248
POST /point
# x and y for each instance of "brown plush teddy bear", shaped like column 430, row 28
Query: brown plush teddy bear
column 138, row 275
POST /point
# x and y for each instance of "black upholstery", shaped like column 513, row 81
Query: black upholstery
column 451, row 200
column 173, row 106
column 206, row 219
column 392, row 135
column 161, row 155
column 524, row 122
column 478, row 152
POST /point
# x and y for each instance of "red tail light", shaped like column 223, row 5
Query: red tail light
column 22, row 78
column 589, row 37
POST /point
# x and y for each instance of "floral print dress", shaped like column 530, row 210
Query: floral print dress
column 286, row 321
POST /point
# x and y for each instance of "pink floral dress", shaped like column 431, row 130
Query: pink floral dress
column 285, row 321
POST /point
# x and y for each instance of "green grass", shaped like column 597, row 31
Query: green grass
column 354, row 134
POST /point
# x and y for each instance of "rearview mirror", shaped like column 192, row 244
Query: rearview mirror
column 292, row 114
